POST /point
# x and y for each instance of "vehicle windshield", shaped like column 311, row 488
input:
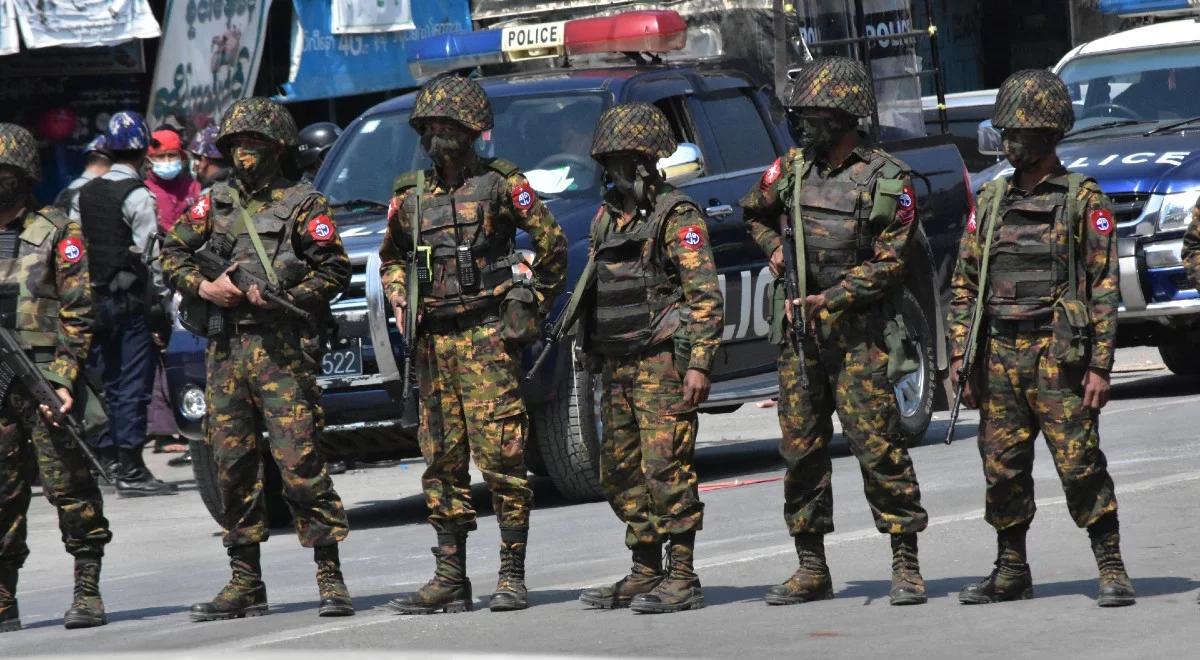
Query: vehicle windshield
column 1151, row 85
column 549, row 137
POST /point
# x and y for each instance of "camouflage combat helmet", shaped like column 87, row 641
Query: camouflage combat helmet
column 835, row 83
column 637, row 127
column 20, row 150
column 1033, row 98
column 455, row 98
column 260, row 116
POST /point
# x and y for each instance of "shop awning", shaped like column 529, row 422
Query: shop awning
column 325, row 65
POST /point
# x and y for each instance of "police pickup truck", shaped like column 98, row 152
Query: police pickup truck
column 1137, row 131
column 729, row 129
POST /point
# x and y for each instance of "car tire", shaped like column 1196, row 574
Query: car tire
column 568, row 433
column 1181, row 359
column 533, row 454
column 915, row 392
column 204, row 467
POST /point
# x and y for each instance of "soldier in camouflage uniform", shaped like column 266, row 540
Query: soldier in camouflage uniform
column 262, row 365
column 1045, row 349
column 468, row 360
column 858, row 212
column 654, row 324
column 45, row 295
column 1191, row 247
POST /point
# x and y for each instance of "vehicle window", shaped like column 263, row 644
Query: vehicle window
column 1152, row 85
column 739, row 131
column 548, row 137
column 675, row 108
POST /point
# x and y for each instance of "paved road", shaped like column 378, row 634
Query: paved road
column 166, row 556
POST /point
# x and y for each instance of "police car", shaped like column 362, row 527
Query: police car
column 1137, row 132
column 729, row 131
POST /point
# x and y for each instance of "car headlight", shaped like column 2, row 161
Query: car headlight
column 1164, row 255
column 1175, row 211
column 191, row 403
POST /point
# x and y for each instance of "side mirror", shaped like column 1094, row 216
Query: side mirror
column 990, row 142
column 686, row 164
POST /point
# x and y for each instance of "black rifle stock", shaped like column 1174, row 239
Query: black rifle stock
column 213, row 266
column 15, row 366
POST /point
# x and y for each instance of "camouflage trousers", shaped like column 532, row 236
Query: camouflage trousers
column 259, row 380
column 472, row 407
column 1024, row 390
column 847, row 373
column 26, row 445
column 649, row 441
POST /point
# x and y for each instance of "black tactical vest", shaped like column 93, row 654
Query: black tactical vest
column 637, row 300
column 108, row 236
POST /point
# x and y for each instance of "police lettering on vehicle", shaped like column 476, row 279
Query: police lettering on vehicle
column 1175, row 158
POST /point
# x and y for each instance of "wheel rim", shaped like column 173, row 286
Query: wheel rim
column 910, row 389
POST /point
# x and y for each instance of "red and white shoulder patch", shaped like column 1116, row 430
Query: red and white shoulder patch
column 771, row 175
column 906, row 205
column 691, row 237
column 972, row 224
column 322, row 229
column 1102, row 221
column 201, row 208
column 70, row 249
column 393, row 206
column 523, row 196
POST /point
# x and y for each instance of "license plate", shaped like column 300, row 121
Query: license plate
column 344, row 359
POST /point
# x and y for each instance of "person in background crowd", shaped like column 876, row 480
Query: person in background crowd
column 175, row 190
column 208, row 165
column 96, row 163
column 315, row 142
column 118, row 213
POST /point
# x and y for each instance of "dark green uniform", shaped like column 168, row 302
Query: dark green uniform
column 1191, row 247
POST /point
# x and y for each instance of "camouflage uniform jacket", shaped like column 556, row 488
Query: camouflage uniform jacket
column 49, row 277
column 882, row 265
column 1098, row 260
column 504, row 205
column 685, row 252
column 1191, row 247
column 294, row 222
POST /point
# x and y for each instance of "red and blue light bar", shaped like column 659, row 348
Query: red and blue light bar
column 658, row 31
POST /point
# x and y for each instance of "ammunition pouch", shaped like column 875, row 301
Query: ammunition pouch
column 520, row 322
column 903, row 357
column 1072, row 326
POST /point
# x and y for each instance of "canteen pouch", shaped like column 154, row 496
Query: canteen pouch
column 1072, row 332
column 776, row 316
column 903, row 358
column 520, row 322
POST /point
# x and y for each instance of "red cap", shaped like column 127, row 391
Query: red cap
column 164, row 141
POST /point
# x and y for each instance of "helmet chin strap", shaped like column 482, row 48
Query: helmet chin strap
column 644, row 190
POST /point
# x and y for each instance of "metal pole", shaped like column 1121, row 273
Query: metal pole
column 864, row 45
column 781, row 52
column 939, row 83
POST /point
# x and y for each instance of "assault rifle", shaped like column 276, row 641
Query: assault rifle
column 555, row 332
column 795, row 272
column 213, row 266
column 15, row 366
column 418, row 262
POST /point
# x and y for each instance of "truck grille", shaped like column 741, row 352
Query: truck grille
column 1127, row 208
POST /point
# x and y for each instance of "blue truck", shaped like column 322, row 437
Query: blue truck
column 1137, row 132
column 730, row 128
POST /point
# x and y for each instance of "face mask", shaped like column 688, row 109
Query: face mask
column 254, row 165
column 632, row 179
column 13, row 192
column 821, row 133
column 448, row 148
column 1025, row 148
column 167, row 170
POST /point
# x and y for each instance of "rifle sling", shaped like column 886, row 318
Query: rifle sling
column 248, row 223
column 998, row 191
column 413, row 284
column 798, row 235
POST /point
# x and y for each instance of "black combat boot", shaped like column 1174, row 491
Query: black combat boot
column 87, row 610
column 510, row 591
column 245, row 595
column 1010, row 580
column 680, row 590
column 450, row 590
column 908, row 587
column 135, row 479
column 643, row 577
column 811, row 580
column 1116, row 589
column 335, row 597
column 10, row 616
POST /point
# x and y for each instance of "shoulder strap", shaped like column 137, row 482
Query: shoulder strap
column 414, row 287
column 261, row 251
column 798, row 233
column 1074, row 182
column 997, row 188
column 503, row 167
column 407, row 180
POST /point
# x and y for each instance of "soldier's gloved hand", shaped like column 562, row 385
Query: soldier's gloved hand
column 64, row 394
column 222, row 292
column 775, row 263
column 695, row 387
column 968, row 396
column 1096, row 388
column 254, row 295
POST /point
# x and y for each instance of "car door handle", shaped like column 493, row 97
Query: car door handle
column 719, row 211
